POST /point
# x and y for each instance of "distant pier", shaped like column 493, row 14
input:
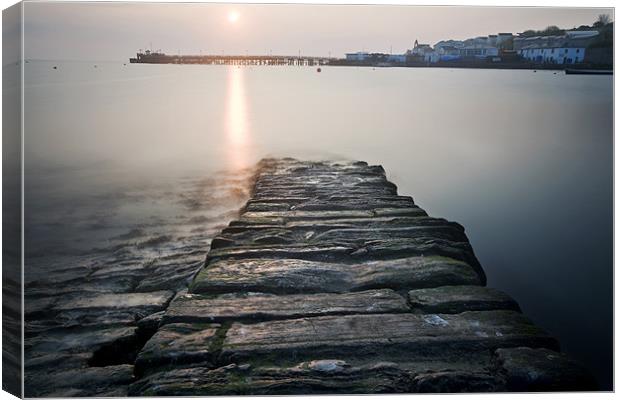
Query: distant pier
column 149, row 57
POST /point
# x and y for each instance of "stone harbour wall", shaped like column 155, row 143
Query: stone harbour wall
column 327, row 282
column 331, row 282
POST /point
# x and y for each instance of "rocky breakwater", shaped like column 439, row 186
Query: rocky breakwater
column 88, row 313
column 330, row 282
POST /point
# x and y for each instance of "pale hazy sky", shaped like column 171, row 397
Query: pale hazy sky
column 115, row 31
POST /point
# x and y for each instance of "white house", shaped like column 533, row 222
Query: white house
column 569, row 48
column 553, row 55
column 481, row 47
column 448, row 47
column 479, row 51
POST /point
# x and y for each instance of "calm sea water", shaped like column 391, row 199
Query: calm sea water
column 522, row 159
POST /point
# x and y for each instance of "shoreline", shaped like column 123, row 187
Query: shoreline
column 597, row 69
column 511, row 66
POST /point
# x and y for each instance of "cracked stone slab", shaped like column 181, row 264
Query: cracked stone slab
column 456, row 299
column 428, row 336
column 76, row 340
column 170, row 277
column 179, row 344
column 435, row 339
column 354, row 236
column 99, row 310
column 473, row 373
column 151, row 301
column 328, row 203
column 322, row 225
column 301, row 276
column 192, row 308
column 245, row 380
column 350, row 251
column 382, row 377
column 325, row 187
column 292, row 216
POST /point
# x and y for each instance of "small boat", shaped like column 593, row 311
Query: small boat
column 318, row 70
column 55, row 67
column 576, row 71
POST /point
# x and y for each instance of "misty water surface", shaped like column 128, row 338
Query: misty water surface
column 522, row 159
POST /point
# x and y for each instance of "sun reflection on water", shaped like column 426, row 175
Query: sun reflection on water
column 237, row 130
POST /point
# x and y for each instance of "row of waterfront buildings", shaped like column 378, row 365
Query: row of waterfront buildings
column 567, row 48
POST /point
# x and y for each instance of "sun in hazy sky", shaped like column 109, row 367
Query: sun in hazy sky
column 233, row 17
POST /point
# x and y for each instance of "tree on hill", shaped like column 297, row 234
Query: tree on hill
column 551, row 30
column 605, row 36
column 603, row 20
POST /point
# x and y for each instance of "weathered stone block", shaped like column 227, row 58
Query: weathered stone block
column 288, row 275
column 417, row 337
column 180, row 344
column 193, row 308
column 456, row 299
column 302, row 379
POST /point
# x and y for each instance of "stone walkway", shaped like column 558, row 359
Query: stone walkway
column 330, row 282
